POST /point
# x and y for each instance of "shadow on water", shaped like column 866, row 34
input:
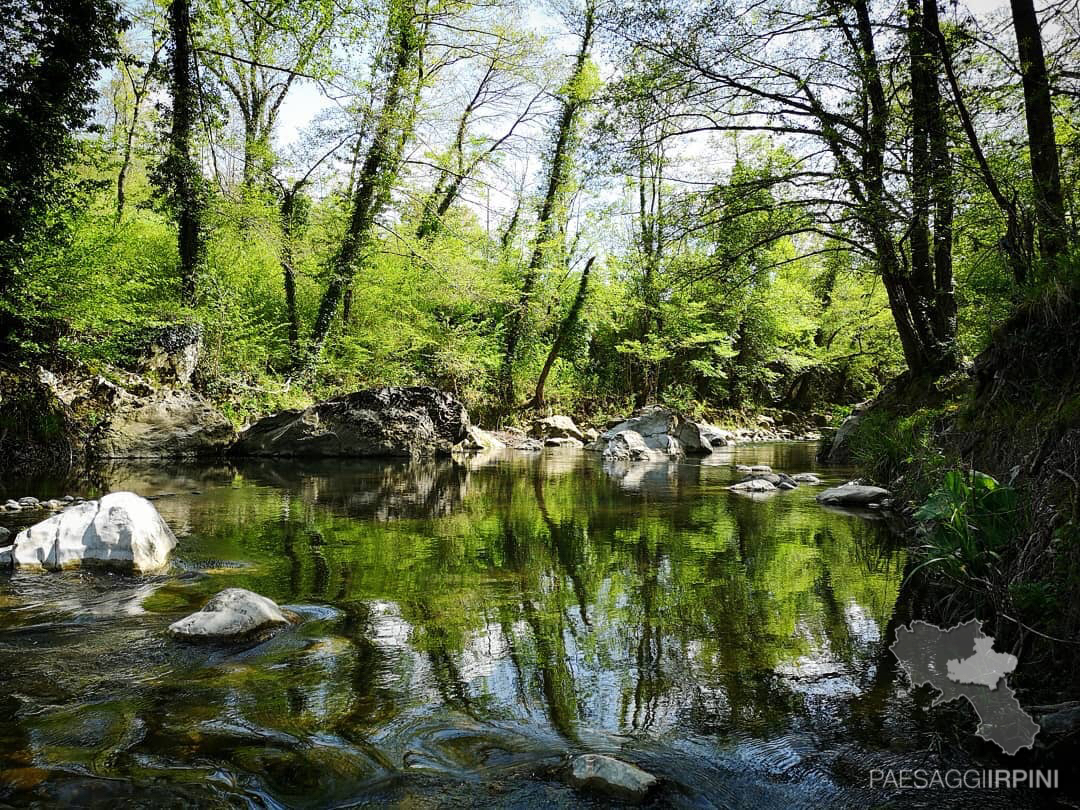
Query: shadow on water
column 466, row 625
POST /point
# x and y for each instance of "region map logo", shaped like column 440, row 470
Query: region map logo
column 960, row 662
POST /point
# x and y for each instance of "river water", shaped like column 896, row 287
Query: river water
column 466, row 626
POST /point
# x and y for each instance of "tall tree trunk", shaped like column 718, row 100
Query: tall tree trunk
column 567, row 325
column 922, row 79
column 560, row 166
column 1045, row 172
column 186, row 177
column 912, row 297
column 376, row 177
column 289, row 227
column 941, row 189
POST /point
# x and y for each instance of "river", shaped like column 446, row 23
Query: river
column 465, row 627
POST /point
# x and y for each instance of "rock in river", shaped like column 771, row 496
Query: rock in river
column 235, row 614
column 611, row 776
column 628, row 445
column 121, row 530
column 413, row 422
column 853, row 495
column 753, row 485
column 165, row 424
column 556, row 427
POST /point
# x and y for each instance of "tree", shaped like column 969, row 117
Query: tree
column 179, row 176
column 498, row 82
column 52, row 55
column 257, row 49
column 380, row 168
column 140, row 87
column 566, row 327
column 1038, row 110
column 573, row 99
column 813, row 74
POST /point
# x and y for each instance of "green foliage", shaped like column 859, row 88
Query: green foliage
column 892, row 448
column 968, row 521
column 52, row 55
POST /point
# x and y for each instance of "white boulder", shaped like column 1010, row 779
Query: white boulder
column 121, row 530
column 233, row 614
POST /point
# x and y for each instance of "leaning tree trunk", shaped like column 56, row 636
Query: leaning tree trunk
column 185, row 176
column 1045, row 172
column 567, row 325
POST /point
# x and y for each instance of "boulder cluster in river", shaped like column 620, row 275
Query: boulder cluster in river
column 123, row 532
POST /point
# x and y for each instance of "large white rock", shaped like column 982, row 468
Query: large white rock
column 121, row 530
column 233, row 614
column 650, row 422
column 609, row 775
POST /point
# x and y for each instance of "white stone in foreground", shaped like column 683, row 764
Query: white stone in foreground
column 611, row 776
column 121, row 530
column 235, row 613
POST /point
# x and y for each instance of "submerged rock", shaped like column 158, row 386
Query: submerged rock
column 121, row 530
column 806, row 478
column 235, row 614
column 610, row 776
column 7, row 557
column 853, row 495
column 411, row 422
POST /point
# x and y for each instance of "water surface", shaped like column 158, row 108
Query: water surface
column 466, row 626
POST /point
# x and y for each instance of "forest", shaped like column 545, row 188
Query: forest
column 847, row 223
column 711, row 205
